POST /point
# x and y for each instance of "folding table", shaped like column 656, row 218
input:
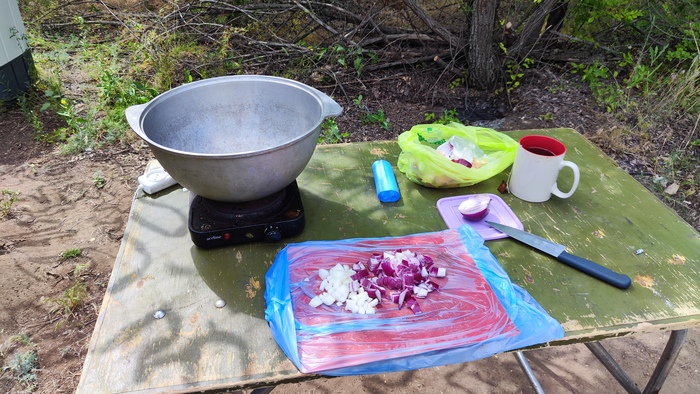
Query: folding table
column 179, row 318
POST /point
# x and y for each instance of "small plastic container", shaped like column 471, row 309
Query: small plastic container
column 385, row 182
column 155, row 178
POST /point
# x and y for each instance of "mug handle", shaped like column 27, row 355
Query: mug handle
column 574, row 168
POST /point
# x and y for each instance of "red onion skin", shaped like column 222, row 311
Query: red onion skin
column 463, row 162
column 476, row 216
column 476, row 202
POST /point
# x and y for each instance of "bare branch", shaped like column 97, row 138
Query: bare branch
column 404, row 62
column 323, row 24
column 432, row 25
column 393, row 38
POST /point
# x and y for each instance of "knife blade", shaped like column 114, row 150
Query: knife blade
column 559, row 252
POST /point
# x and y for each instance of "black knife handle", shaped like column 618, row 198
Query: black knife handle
column 595, row 270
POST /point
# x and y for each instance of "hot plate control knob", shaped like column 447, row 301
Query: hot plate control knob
column 273, row 233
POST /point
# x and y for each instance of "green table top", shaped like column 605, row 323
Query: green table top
column 199, row 346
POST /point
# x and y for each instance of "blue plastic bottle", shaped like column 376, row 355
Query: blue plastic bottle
column 385, row 182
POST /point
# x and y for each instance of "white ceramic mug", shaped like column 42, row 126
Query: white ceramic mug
column 536, row 168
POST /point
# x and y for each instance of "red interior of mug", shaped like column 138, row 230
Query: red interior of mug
column 542, row 145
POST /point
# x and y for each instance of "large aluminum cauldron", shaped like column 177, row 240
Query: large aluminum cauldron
column 234, row 138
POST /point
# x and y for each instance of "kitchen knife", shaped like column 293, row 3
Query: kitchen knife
column 558, row 251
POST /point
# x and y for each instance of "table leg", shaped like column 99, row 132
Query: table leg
column 658, row 377
column 528, row 372
column 668, row 358
column 263, row 390
column 609, row 362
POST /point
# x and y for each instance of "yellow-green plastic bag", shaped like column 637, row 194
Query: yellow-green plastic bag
column 423, row 164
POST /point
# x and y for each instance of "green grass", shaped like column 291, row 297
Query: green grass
column 22, row 339
column 24, row 367
column 330, row 134
column 69, row 301
column 378, row 118
column 7, row 199
column 369, row 117
column 94, row 117
column 448, row 116
column 98, row 179
column 80, row 269
column 22, row 360
column 70, row 253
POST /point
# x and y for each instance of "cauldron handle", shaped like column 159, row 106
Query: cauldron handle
column 133, row 117
column 330, row 107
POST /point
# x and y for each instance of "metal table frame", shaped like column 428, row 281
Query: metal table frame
column 663, row 367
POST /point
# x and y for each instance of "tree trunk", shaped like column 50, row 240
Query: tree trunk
column 481, row 58
column 531, row 32
column 555, row 20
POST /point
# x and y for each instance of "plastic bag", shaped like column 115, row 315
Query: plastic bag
column 423, row 164
column 462, row 151
column 478, row 312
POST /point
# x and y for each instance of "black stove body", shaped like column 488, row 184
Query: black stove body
column 215, row 224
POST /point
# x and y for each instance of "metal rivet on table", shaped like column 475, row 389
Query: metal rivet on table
column 220, row 303
column 159, row 314
column 639, row 251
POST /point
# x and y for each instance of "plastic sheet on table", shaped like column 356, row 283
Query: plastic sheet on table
column 477, row 311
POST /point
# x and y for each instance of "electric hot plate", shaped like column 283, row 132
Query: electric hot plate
column 215, row 223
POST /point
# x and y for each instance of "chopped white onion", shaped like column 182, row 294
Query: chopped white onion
column 316, row 301
column 323, row 273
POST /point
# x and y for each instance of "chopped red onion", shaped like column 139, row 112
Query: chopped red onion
column 412, row 304
column 402, row 276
